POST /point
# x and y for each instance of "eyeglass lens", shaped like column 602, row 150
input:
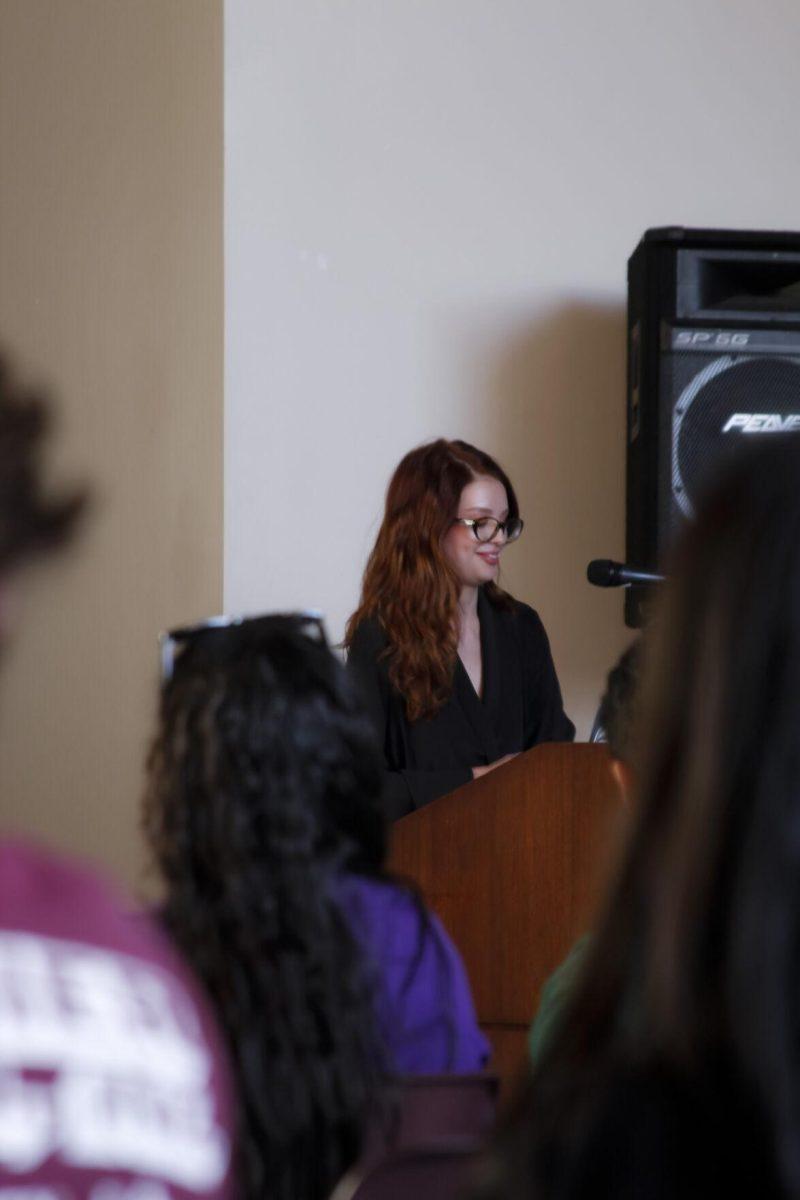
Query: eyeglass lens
column 487, row 527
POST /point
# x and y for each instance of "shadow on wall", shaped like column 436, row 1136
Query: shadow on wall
column 554, row 404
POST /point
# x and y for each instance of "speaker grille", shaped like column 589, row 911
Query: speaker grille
column 713, row 358
column 718, row 403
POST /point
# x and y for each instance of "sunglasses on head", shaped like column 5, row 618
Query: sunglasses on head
column 307, row 621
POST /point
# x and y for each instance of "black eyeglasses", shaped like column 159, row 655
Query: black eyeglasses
column 308, row 621
column 486, row 528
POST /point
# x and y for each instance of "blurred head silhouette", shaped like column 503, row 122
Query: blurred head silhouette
column 695, row 970
column 32, row 519
column 616, row 716
column 114, row 1081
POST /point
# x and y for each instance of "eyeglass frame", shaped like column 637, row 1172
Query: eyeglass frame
column 170, row 641
column 472, row 522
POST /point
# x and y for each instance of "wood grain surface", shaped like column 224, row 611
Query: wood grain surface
column 514, row 864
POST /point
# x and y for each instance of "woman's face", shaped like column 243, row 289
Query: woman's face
column 477, row 562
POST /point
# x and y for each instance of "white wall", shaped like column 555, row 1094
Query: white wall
column 429, row 207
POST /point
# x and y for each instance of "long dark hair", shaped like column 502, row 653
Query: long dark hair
column 408, row 584
column 263, row 785
column 696, row 963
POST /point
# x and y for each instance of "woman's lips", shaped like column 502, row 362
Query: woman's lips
column 491, row 559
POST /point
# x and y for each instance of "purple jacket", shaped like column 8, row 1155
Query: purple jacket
column 425, row 1011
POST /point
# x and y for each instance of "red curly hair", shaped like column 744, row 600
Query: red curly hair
column 409, row 586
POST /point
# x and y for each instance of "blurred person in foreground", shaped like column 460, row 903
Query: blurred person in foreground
column 112, row 1079
column 676, row 1071
column 263, row 814
column 615, row 723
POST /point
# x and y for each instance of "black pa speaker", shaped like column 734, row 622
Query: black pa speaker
column 713, row 358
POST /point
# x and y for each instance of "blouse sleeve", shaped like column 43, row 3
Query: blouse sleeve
column 403, row 790
column 545, row 719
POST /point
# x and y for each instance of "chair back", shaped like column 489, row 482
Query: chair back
column 425, row 1112
column 430, row 1107
column 439, row 1171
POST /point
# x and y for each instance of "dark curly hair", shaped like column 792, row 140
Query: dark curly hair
column 263, row 787
column 617, row 714
column 31, row 521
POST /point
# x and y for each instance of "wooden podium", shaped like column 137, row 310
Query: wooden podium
column 513, row 864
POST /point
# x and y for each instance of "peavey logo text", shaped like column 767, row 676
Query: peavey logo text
column 762, row 423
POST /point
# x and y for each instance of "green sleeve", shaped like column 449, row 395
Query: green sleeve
column 556, row 993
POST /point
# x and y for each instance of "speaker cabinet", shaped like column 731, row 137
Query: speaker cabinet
column 713, row 358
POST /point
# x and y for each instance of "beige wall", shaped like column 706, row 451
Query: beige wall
column 429, row 208
column 111, row 293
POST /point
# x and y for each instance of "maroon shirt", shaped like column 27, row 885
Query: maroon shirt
column 112, row 1077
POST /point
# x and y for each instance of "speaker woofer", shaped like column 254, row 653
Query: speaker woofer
column 726, row 403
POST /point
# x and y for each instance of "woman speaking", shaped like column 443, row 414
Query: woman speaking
column 457, row 674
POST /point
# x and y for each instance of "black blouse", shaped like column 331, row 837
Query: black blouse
column 521, row 706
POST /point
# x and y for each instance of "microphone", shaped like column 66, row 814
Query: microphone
column 602, row 572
